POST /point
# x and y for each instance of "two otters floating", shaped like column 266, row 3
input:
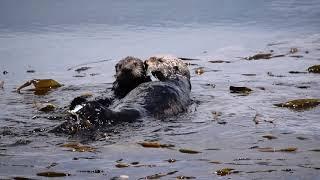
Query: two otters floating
column 134, row 95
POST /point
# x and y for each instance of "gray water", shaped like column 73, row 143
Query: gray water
column 51, row 37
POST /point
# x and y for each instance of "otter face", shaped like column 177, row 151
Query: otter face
column 129, row 69
column 163, row 67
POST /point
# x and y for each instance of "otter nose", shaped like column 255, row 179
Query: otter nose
column 126, row 70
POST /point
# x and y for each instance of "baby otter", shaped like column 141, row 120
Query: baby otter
column 130, row 72
column 160, row 99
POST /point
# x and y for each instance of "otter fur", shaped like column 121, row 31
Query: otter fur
column 130, row 72
column 167, row 97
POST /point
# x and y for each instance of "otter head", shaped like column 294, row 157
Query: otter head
column 130, row 72
column 166, row 67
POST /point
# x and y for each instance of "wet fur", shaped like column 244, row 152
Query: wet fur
column 159, row 99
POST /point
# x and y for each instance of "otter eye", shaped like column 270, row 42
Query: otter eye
column 160, row 60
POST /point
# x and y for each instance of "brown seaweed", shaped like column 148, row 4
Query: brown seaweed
column 53, row 174
column 300, row 104
column 239, row 89
column 314, row 69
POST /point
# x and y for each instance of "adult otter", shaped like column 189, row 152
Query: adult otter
column 130, row 72
column 159, row 99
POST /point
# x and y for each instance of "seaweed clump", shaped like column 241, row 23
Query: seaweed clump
column 300, row 104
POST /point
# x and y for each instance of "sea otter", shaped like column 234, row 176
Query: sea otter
column 159, row 99
column 130, row 72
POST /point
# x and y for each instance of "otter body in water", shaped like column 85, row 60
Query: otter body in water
column 164, row 98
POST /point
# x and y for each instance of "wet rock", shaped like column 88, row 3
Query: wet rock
column 300, row 104
column 314, row 69
column 239, row 89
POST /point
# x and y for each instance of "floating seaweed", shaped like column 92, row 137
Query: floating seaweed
column 122, row 165
column 185, row 177
column 248, row 74
column 259, row 56
column 78, row 70
column 314, row 69
column 79, row 147
column 297, row 56
column 293, row 50
column 31, row 71
column 224, row 171
column 189, row 151
column 239, row 89
column 270, row 149
column 297, row 72
column 41, row 85
column 300, row 104
column 155, row 145
column 272, row 75
column 199, row 70
column 171, row 160
column 219, row 61
column 159, row 175
column 46, row 107
column 269, row 136
column 53, row 174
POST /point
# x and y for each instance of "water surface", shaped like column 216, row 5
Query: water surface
column 51, row 37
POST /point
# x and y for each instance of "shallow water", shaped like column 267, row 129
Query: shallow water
column 51, row 37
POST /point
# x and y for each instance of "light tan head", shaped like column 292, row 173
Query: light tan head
column 164, row 67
